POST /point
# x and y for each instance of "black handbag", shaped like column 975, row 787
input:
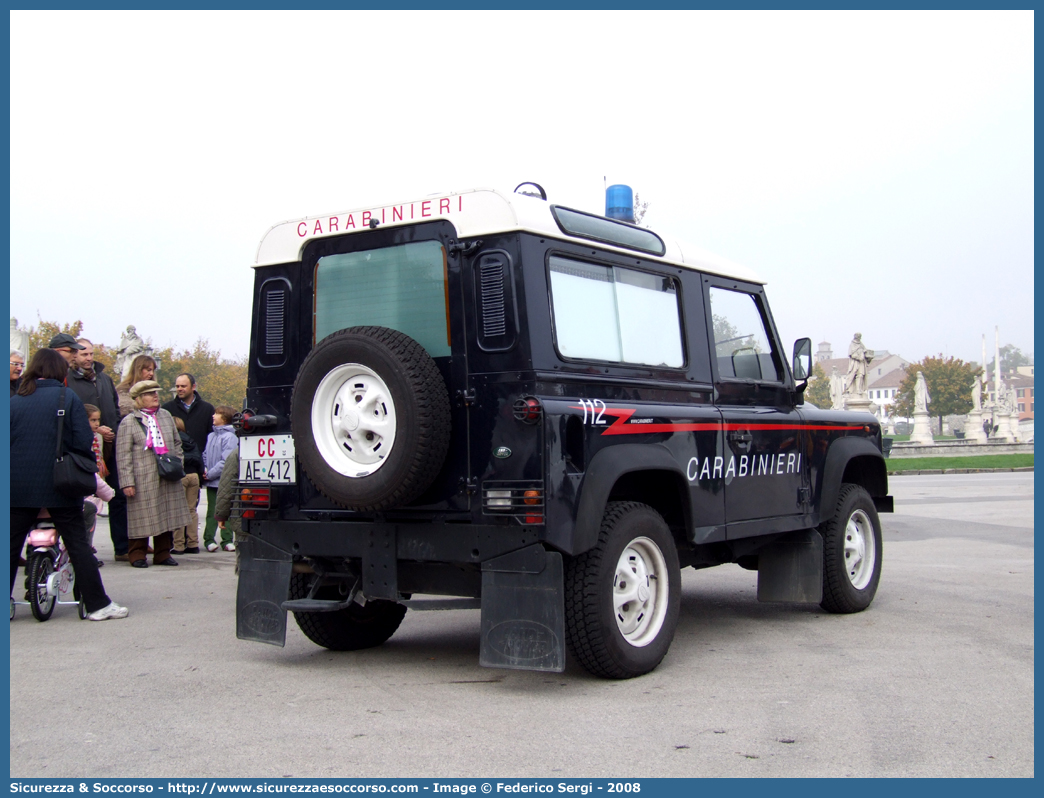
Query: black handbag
column 73, row 472
column 168, row 465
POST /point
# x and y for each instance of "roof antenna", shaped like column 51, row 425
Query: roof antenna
column 531, row 190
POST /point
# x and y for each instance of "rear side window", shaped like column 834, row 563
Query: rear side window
column 401, row 287
column 741, row 343
column 616, row 315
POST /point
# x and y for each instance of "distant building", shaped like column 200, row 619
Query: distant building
column 882, row 391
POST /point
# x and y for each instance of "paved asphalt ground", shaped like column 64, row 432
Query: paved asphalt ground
column 935, row 679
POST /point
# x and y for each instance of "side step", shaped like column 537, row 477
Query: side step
column 417, row 605
column 423, row 605
column 315, row 605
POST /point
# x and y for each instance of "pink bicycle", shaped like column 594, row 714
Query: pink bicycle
column 49, row 575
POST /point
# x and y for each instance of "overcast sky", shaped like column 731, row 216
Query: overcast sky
column 876, row 169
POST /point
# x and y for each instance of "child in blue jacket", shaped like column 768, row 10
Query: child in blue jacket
column 220, row 443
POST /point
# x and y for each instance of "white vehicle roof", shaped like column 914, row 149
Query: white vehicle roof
column 474, row 212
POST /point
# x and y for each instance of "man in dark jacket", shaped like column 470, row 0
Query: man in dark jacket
column 198, row 417
column 89, row 381
column 17, row 366
column 189, row 406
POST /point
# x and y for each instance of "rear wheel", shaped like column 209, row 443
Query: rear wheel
column 623, row 596
column 40, row 601
column 851, row 552
column 351, row 629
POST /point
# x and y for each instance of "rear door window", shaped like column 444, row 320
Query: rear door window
column 401, row 287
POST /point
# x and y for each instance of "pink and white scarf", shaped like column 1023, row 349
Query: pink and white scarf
column 153, row 436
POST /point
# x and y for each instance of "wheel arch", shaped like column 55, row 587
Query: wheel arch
column 854, row 460
column 649, row 474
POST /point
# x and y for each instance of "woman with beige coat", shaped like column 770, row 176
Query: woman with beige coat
column 155, row 507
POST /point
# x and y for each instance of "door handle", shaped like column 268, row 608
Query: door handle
column 742, row 437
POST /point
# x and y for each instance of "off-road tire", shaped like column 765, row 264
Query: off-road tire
column 351, row 629
column 594, row 630
column 419, row 409
column 849, row 586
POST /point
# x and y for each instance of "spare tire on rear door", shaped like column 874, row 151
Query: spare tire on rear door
column 371, row 418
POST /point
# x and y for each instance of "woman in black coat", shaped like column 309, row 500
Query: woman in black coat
column 34, row 436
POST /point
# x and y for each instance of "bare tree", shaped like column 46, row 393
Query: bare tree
column 639, row 209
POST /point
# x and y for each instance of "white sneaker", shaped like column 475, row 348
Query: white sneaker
column 212, row 547
column 230, row 547
column 114, row 610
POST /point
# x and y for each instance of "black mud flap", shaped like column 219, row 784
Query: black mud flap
column 791, row 569
column 264, row 582
column 523, row 611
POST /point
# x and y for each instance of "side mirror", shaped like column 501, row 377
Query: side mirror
column 801, row 365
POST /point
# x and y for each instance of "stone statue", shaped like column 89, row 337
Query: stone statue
column 19, row 339
column 977, row 394
column 859, row 358
column 921, row 396
column 131, row 345
column 1011, row 400
column 837, row 390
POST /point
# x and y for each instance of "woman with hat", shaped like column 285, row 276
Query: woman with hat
column 155, row 507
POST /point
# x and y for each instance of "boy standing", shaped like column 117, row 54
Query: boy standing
column 221, row 443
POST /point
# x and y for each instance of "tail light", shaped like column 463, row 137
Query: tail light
column 256, row 496
column 533, row 499
column 527, row 410
column 523, row 500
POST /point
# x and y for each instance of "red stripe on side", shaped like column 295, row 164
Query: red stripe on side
column 622, row 415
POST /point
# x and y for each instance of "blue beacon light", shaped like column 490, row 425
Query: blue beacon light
column 619, row 203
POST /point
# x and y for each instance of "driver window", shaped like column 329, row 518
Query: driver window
column 742, row 346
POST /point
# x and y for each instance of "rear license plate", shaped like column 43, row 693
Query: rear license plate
column 268, row 458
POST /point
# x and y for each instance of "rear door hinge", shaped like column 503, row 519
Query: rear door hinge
column 464, row 248
column 467, row 397
column 804, row 496
column 469, row 485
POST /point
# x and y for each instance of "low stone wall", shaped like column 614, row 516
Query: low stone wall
column 965, row 448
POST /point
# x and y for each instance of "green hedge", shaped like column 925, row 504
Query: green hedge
column 980, row 461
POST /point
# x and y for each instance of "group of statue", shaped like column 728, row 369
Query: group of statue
column 131, row 345
column 854, row 383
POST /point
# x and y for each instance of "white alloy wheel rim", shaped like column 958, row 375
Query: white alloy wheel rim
column 860, row 549
column 640, row 588
column 353, row 420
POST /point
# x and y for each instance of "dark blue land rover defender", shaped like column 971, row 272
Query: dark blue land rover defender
column 490, row 401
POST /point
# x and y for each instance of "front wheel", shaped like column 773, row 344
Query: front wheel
column 851, row 552
column 351, row 629
column 40, row 601
column 624, row 595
